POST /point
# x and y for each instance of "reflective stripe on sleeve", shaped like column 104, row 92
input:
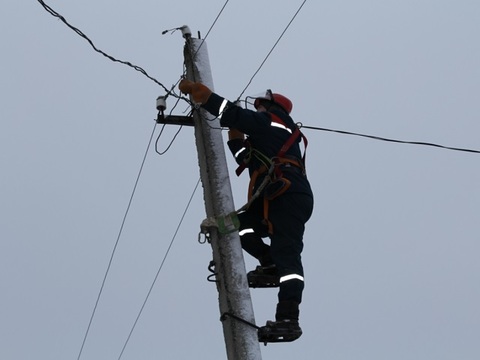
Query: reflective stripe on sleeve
column 222, row 107
column 237, row 154
column 245, row 231
column 291, row 277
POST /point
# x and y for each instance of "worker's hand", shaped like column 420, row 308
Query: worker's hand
column 200, row 93
column 186, row 86
column 235, row 134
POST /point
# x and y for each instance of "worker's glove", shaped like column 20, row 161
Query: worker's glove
column 235, row 134
column 200, row 93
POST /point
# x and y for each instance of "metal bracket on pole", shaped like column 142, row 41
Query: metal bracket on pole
column 177, row 120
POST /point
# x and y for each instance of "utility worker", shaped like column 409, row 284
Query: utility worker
column 279, row 192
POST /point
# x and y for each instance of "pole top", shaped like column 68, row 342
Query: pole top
column 186, row 31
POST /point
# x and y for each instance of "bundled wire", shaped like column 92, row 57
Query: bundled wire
column 81, row 34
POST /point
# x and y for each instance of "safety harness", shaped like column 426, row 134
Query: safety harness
column 275, row 184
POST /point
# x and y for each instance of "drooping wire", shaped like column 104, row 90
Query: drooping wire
column 159, row 269
column 392, row 140
column 271, row 50
column 81, row 34
column 171, row 142
column 116, row 245
column 161, row 132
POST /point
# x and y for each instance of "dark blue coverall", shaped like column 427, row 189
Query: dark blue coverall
column 287, row 213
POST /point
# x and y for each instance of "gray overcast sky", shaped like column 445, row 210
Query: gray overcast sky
column 391, row 253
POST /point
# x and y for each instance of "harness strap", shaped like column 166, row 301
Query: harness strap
column 253, row 179
column 286, row 146
column 291, row 161
column 267, row 222
column 291, row 140
column 240, row 168
column 277, row 161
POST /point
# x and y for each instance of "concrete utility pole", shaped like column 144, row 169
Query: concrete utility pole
column 234, row 295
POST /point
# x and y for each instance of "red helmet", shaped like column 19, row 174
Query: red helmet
column 277, row 99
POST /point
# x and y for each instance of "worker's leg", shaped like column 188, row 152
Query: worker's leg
column 288, row 214
column 251, row 232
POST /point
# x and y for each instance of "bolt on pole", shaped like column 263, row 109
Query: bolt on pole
column 241, row 339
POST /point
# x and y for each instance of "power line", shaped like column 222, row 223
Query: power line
column 341, row 131
column 392, row 140
column 159, row 269
column 273, row 47
column 213, row 24
column 216, row 19
column 81, row 34
column 115, row 246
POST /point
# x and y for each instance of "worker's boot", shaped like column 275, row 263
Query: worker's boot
column 285, row 328
column 263, row 277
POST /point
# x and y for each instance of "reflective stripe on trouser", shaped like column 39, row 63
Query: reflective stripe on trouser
column 251, row 240
column 291, row 277
column 288, row 214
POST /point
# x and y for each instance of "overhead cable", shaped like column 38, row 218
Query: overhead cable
column 213, row 24
column 160, row 268
column 271, row 50
column 80, row 33
column 392, row 140
column 116, row 245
